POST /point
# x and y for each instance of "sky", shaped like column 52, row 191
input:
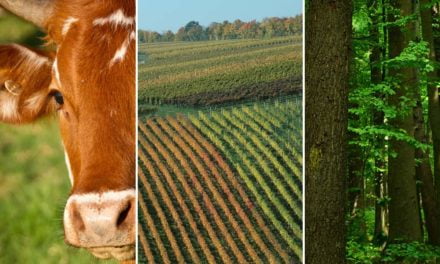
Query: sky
column 162, row 15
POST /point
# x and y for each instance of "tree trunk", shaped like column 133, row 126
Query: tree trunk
column 424, row 174
column 431, row 193
column 328, row 42
column 404, row 214
column 377, row 75
column 355, row 178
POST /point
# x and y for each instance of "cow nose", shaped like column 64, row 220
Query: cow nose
column 100, row 220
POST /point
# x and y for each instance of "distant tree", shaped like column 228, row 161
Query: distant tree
column 193, row 31
column 141, row 36
column 168, row 36
column 180, row 35
column 229, row 31
column 216, row 30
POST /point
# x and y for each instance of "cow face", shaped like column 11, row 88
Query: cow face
column 89, row 82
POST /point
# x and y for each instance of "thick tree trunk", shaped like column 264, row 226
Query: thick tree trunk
column 431, row 193
column 404, row 213
column 424, row 174
column 328, row 42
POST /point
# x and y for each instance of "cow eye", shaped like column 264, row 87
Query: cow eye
column 58, row 98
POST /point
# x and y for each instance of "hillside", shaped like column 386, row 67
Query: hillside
column 222, row 186
column 218, row 72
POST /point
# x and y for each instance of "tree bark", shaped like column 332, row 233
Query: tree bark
column 424, row 174
column 328, row 42
column 431, row 192
column 404, row 214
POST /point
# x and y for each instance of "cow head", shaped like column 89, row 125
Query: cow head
column 88, row 81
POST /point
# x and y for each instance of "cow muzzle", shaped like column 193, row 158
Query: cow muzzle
column 103, row 223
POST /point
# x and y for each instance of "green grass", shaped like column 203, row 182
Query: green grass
column 13, row 29
column 34, row 183
column 33, row 190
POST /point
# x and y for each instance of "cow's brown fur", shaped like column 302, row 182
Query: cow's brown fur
column 98, row 119
column 18, row 68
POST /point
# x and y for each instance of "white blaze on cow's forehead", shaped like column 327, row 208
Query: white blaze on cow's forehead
column 69, row 168
column 117, row 18
column 122, row 51
column 34, row 58
column 56, row 72
column 67, row 24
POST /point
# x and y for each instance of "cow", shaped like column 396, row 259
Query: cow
column 87, row 80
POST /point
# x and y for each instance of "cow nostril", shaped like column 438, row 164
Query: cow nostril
column 77, row 220
column 123, row 214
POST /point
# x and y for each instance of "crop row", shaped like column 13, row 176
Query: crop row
column 203, row 54
column 228, row 69
column 170, row 46
column 221, row 72
column 222, row 81
column 152, row 72
column 184, row 50
column 211, row 192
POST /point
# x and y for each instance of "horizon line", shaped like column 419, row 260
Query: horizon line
column 258, row 20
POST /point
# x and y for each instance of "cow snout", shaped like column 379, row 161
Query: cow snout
column 103, row 223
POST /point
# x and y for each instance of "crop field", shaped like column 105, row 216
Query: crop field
column 222, row 186
column 215, row 72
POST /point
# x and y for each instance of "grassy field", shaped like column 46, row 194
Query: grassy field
column 216, row 72
column 223, row 185
column 34, row 184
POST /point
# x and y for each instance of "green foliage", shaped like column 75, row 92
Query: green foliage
column 415, row 252
column 415, row 55
column 370, row 124
column 360, row 253
column 411, row 252
column 365, row 252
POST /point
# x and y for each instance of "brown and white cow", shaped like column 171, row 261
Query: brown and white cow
column 89, row 82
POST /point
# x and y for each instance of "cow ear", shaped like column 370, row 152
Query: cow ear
column 25, row 78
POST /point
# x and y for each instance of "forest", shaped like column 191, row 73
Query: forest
column 372, row 131
column 193, row 31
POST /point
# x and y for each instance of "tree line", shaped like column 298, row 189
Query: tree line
column 372, row 131
column 193, row 31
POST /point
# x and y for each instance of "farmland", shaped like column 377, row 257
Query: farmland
column 217, row 72
column 220, row 156
column 223, row 185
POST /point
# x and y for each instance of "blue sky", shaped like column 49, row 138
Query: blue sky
column 161, row 15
